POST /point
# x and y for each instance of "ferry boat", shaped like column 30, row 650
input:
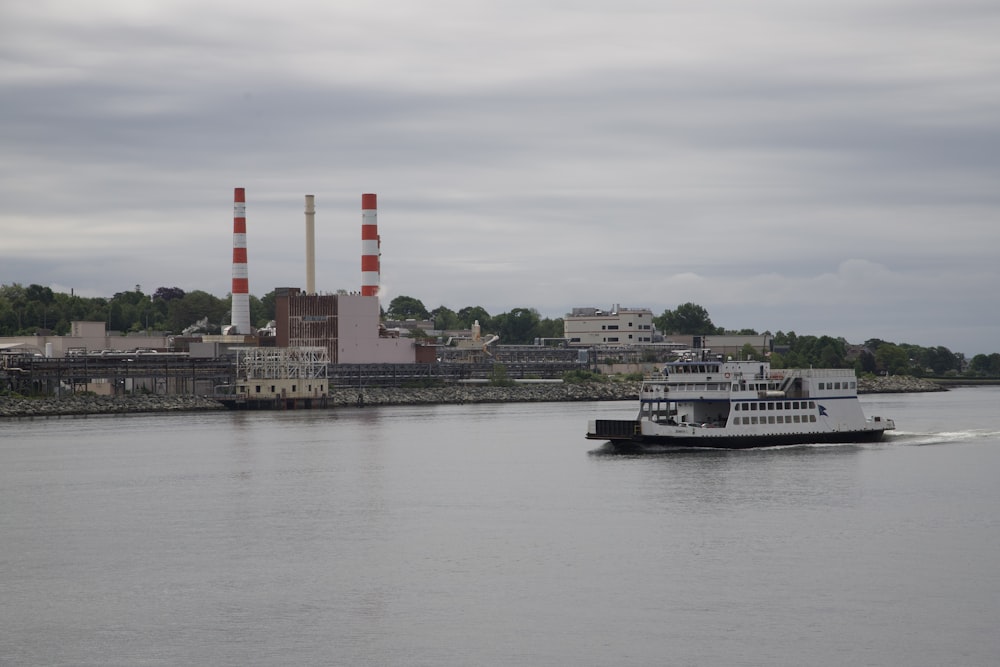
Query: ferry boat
column 743, row 404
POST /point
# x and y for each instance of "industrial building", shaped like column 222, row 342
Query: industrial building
column 347, row 325
column 586, row 327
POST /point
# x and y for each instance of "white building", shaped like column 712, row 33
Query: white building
column 620, row 326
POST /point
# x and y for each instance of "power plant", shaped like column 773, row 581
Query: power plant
column 317, row 339
column 311, row 330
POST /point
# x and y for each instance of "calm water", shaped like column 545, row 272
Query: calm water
column 495, row 535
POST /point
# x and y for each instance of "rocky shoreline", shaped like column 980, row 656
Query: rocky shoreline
column 896, row 384
column 522, row 393
column 102, row 405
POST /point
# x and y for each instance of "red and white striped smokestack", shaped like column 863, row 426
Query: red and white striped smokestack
column 369, row 246
column 241, row 284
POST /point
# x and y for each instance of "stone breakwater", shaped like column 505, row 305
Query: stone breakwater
column 102, row 405
column 522, row 393
column 896, row 384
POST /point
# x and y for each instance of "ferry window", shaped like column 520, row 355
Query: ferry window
column 770, row 406
column 736, row 407
column 854, row 385
column 795, row 405
column 736, row 387
column 788, row 405
column 822, row 386
column 836, row 385
column 753, row 420
column 812, row 418
column 753, row 406
column 812, row 406
column 781, row 419
column 795, row 419
column 770, row 419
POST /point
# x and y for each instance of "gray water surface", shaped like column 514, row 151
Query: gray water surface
column 495, row 535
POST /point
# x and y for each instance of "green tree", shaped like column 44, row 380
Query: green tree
column 499, row 377
column 550, row 328
column 518, row 327
column 168, row 293
column 987, row 365
column 194, row 306
column 269, row 305
column 689, row 319
column 258, row 312
column 445, row 318
column 892, row 359
column 865, row 362
column 470, row 314
column 405, row 308
column 39, row 294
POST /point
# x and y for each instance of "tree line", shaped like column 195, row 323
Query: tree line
column 873, row 356
column 25, row 311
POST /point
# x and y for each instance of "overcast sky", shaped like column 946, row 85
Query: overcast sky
column 826, row 167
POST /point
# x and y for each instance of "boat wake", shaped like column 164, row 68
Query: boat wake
column 912, row 439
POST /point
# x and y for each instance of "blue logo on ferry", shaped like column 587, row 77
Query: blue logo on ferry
column 822, row 411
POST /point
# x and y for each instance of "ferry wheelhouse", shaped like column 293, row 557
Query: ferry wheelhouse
column 741, row 404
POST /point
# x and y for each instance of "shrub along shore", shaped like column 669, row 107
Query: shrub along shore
column 521, row 393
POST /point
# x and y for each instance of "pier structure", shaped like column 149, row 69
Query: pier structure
column 278, row 377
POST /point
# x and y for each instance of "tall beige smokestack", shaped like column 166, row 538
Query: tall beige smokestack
column 310, row 245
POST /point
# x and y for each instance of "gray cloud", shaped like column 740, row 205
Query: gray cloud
column 828, row 169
